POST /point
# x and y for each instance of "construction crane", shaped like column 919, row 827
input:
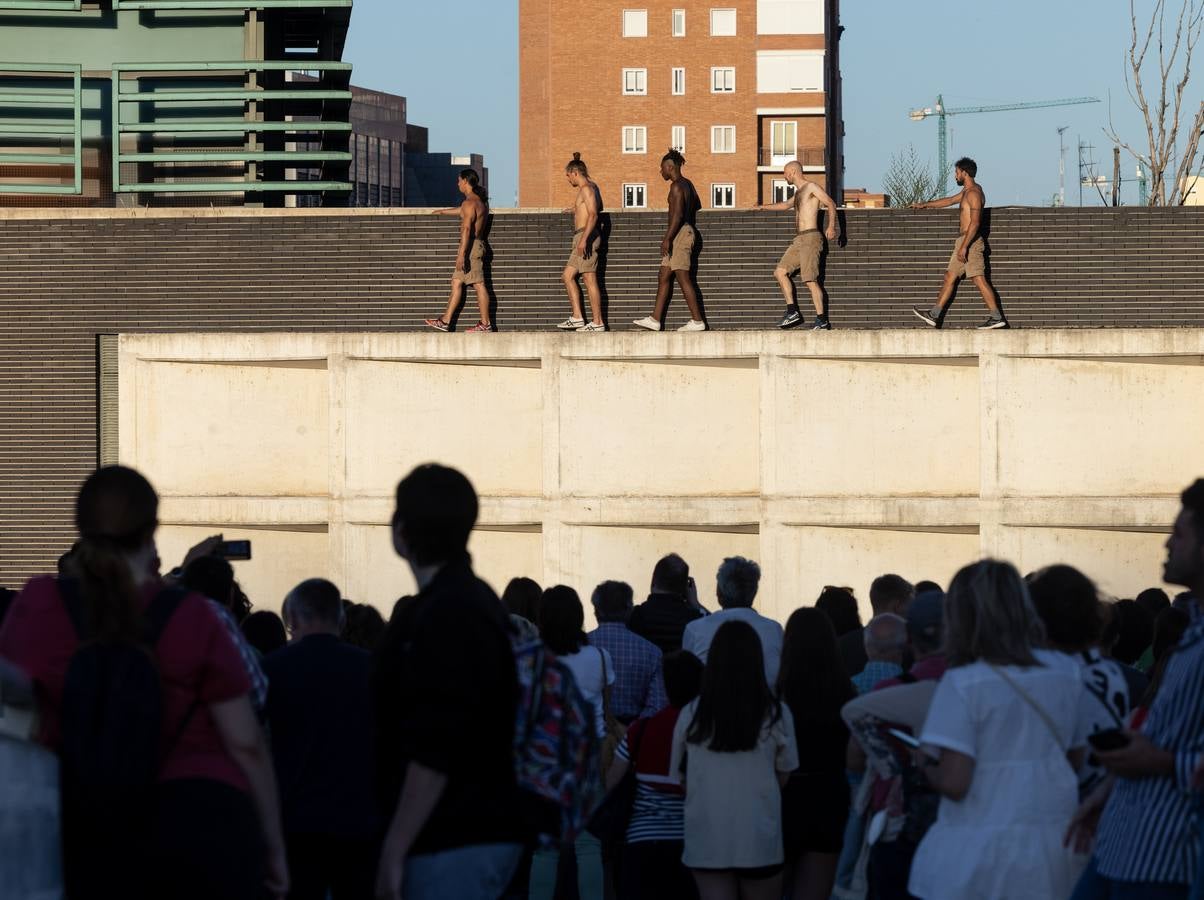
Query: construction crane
column 941, row 112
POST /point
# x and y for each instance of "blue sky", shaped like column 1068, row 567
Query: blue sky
column 458, row 65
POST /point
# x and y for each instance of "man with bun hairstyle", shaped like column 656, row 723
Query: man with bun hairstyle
column 677, row 249
column 584, row 250
column 470, row 255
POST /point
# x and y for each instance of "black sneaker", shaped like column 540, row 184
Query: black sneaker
column 926, row 316
column 992, row 323
column 791, row 319
column 821, row 324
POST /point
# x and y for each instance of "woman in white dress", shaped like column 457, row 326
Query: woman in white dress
column 1000, row 743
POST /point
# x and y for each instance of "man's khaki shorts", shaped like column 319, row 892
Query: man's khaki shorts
column 476, row 265
column 803, row 255
column 584, row 264
column 682, row 252
column 976, row 259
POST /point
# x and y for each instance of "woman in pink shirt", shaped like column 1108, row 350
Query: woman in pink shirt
column 213, row 826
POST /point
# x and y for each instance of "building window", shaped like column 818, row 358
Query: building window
column 679, row 23
column 678, row 138
column 634, row 196
column 723, row 196
column 782, row 190
column 635, row 139
column 783, row 142
column 723, row 138
column 723, row 23
column 635, row 81
column 723, row 80
column 679, row 81
column 635, row 23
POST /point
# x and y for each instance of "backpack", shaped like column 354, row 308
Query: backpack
column 112, row 710
column 556, row 747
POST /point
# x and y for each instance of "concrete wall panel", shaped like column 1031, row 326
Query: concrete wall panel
column 402, row 413
column 659, row 427
column 234, row 428
column 1122, row 563
column 1099, row 427
column 807, row 558
column 907, row 427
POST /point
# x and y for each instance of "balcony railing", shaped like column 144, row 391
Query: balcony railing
column 40, row 110
column 225, row 4
column 808, row 156
column 166, row 109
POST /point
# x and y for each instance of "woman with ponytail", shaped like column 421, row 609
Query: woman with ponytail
column 210, row 823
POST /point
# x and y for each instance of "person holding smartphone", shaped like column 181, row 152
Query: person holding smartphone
column 670, row 607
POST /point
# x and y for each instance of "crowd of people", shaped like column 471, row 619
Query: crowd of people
column 1007, row 737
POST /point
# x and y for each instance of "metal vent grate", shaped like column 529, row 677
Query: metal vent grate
column 107, row 399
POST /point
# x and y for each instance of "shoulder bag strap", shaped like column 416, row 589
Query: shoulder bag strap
column 605, row 692
column 1027, row 698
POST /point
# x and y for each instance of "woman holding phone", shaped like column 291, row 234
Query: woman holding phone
column 1003, row 733
column 734, row 748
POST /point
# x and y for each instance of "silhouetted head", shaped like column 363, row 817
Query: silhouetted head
column 736, row 582
column 840, row 606
column 522, row 597
column 315, row 605
column 612, row 601
column 1068, row 603
column 436, row 509
column 562, row 620
column 891, row 594
column 671, row 575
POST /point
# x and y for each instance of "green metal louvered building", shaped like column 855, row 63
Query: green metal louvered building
column 174, row 102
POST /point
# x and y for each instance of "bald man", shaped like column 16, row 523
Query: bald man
column 806, row 251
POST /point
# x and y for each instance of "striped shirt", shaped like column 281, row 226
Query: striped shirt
column 658, row 813
column 1147, row 832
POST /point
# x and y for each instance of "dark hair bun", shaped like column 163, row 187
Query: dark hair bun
column 577, row 157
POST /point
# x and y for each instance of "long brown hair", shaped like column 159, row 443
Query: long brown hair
column 116, row 513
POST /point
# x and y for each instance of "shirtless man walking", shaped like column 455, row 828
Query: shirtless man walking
column 969, row 257
column 677, row 249
column 804, row 253
column 583, row 255
column 470, row 256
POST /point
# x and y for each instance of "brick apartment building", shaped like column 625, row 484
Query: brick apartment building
column 739, row 86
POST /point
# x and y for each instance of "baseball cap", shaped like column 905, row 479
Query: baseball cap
column 926, row 614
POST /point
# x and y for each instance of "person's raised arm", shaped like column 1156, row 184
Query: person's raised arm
column 785, row 204
column 590, row 196
column 830, row 205
column 449, row 211
column 951, row 200
column 244, row 740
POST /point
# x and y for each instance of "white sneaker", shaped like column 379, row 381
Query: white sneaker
column 592, row 327
column 648, row 322
column 694, row 325
column 571, row 324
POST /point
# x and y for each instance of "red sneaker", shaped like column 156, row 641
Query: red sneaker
column 437, row 324
column 480, row 328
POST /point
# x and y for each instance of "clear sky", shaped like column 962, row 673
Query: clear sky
column 458, row 65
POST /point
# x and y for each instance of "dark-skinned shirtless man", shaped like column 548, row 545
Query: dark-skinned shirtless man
column 470, row 254
column 969, row 257
column 677, row 249
column 806, row 250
